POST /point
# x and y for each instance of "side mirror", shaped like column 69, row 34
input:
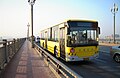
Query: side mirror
column 119, row 47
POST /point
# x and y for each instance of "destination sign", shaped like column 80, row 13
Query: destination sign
column 86, row 24
column 80, row 24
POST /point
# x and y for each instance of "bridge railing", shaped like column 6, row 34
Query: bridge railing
column 57, row 67
column 117, row 41
column 8, row 49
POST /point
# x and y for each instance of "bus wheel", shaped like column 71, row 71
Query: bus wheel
column 55, row 51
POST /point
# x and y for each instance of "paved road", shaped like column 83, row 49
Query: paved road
column 102, row 67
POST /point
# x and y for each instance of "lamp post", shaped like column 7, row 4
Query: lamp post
column 28, row 30
column 114, row 11
column 32, row 2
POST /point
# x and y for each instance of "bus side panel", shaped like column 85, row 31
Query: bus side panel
column 42, row 43
column 51, row 45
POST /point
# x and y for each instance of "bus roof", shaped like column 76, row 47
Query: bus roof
column 68, row 20
column 81, row 20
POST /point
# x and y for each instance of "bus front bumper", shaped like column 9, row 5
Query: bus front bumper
column 76, row 58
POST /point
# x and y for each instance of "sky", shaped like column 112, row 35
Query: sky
column 15, row 15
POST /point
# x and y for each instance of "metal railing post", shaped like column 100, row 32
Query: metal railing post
column 17, row 44
column 14, row 42
column 6, row 50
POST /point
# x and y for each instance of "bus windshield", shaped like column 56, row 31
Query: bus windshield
column 82, row 36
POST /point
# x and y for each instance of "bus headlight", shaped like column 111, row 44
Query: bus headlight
column 72, row 50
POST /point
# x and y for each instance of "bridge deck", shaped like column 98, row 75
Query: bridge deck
column 27, row 64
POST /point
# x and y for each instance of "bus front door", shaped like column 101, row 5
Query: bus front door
column 62, row 43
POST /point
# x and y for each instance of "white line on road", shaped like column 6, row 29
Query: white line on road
column 104, row 51
column 100, row 60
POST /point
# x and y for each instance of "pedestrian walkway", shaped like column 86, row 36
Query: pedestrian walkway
column 27, row 64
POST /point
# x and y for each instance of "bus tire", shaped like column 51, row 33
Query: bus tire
column 55, row 52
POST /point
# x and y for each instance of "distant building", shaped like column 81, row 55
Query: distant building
column 116, row 36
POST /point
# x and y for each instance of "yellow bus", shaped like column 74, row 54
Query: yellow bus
column 72, row 40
